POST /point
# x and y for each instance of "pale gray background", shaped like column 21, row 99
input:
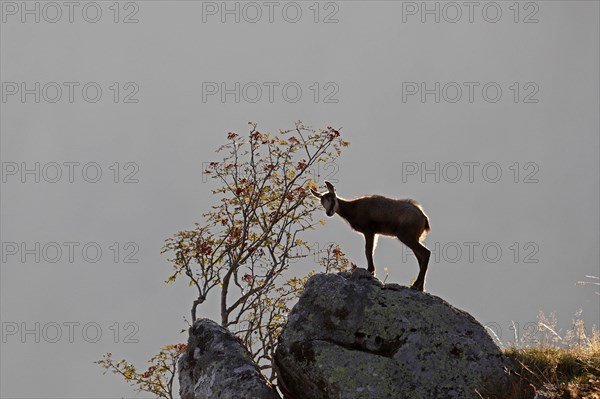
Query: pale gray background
column 171, row 132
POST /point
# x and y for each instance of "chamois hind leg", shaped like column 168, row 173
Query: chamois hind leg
column 422, row 254
column 370, row 239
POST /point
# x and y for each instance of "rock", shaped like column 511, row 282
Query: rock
column 217, row 365
column 350, row 336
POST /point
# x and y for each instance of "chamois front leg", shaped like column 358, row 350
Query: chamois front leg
column 370, row 239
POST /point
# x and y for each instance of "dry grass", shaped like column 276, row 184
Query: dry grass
column 566, row 367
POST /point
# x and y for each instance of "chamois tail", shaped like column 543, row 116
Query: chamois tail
column 426, row 229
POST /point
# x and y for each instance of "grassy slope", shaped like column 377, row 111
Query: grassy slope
column 564, row 373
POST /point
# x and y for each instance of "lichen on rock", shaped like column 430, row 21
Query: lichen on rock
column 350, row 336
column 217, row 365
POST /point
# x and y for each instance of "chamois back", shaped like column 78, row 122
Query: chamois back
column 383, row 215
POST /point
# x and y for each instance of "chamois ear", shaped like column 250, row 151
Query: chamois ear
column 316, row 194
column 330, row 187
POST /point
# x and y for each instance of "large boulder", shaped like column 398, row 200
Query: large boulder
column 217, row 365
column 350, row 336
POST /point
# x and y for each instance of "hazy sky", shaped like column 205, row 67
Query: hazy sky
column 486, row 113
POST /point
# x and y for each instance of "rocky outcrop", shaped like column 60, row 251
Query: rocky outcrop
column 350, row 336
column 217, row 365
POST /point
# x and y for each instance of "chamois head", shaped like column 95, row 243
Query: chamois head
column 328, row 199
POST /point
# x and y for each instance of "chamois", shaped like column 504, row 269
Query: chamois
column 375, row 214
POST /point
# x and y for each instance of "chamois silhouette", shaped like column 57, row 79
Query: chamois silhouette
column 374, row 215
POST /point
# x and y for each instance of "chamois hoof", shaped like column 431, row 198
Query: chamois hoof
column 416, row 287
